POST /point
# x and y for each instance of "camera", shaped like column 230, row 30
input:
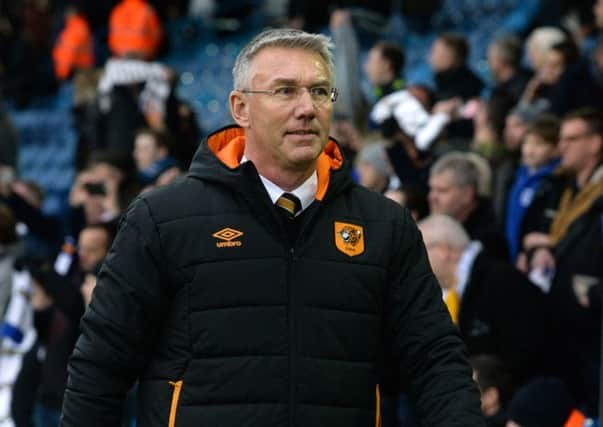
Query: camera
column 95, row 188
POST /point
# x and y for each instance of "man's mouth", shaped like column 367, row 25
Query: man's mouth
column 302, row 132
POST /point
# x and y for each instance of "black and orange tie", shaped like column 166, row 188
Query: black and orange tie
column 289, row 203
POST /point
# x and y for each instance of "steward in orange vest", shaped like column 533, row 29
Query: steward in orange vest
column 74, row 48
column 134, row 30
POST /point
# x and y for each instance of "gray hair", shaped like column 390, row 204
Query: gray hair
column 286, row 38
column 464, row 170
column 542, row 39
column 445, row 229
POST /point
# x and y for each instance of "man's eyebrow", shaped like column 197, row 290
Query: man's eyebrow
column 293, row 82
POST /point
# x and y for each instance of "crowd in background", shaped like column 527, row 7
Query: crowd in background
column 501, row 170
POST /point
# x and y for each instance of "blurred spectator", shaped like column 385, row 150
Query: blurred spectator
column 454, row 191
column 571, row 254
column 74, row 48
column 516, row 124
column 8, row 254
column 41, row 233
column 545, row 402
column 411, row 197
column 152, row 155
column 89, row 284
column 539, row 158
column 454, row 80
column 102, row 191
column 9, row 141
column 135, row 30
column 383, row 67
column 498, row 311
column 57, row 308
column 564, row 82
column 495, row 385
column 374, row 170
column 504, row 59
column 598, row 12
column 93, row 244
column 539, row 43
column 448, row 60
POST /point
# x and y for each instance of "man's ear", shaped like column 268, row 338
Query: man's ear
column 239, row 108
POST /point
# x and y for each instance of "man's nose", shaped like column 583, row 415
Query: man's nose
column 305, row 104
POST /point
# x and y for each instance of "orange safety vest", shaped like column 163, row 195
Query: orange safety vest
column 134, row 28
column 74, row 47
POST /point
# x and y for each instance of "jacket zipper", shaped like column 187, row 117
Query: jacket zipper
column 175, row 398
column 377, row 407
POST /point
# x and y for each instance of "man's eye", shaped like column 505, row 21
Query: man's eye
column 285, row 90
column 320, row 91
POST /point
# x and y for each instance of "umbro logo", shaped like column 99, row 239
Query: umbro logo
column 227, row 236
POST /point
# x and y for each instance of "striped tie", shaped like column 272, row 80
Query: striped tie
column 290, row 204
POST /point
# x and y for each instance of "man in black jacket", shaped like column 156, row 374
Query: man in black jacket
column 265, row 288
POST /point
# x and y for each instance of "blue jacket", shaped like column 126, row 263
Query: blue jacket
column 520, row 198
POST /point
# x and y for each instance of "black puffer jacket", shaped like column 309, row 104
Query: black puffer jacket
column 225, row 324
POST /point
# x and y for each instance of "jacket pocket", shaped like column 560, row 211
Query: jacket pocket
column 175, row 398
column 377, row 407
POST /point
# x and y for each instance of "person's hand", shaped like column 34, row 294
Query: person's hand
column 529, row 93
column 78, row 194
column 536, row 239
column 448, row 106
column 522, row 263
column 542, row 260
column 110, row 201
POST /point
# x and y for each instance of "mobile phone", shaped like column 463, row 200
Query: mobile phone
column 95, row 188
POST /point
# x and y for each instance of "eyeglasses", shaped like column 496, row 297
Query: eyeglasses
column 319, row 94
column 574, row 138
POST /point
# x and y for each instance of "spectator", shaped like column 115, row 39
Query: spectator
column 498, row 311
column 496, row 387
column 504, row 58
column 516, row 124
column 74, row 48
column 134, row 30
column 412, row 198
column 374, row 170
column 539, row 43
column 572, row 250
column 453, row 78
column 152, row 155
column 545, row 402
column 539, row 159
column 383, row 67
column 454, row 191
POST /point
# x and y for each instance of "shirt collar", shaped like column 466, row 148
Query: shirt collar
column 305, row 192
column 465, row 265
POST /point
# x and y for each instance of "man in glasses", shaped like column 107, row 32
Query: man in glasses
column 266, row 288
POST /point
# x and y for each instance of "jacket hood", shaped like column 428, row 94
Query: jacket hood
column 218, row 160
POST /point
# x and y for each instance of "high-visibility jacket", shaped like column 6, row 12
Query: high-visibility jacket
column 74, row 47
column 134, row 29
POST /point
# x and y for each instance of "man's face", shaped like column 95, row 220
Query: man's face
column 446, row 197
column 552, row 68
column 93, row 245
column 598, row 12
column 287, row 135
column 578, row 145
column 441, row 57
column 514, row 131
column 439, row 257
column 377, row 69
column 146, row 151
column 494, row 61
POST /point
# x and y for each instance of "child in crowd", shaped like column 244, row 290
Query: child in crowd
column 539, row 158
